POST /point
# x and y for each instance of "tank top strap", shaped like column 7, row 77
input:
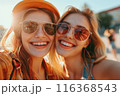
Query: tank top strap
column 85, row 74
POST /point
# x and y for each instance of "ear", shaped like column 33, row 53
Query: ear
column 87, row 43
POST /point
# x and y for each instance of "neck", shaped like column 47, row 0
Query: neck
column 74, row 66
column 37, row 67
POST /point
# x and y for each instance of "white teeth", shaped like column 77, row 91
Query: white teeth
column 66, row 44
column 38, row 44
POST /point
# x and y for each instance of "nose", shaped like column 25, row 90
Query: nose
column 70, row 34
column 40, row 33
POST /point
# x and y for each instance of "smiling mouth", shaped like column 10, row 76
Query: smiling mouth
column 39, row 45
column 66, row 44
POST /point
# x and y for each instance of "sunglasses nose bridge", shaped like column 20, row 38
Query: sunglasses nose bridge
column 39, row 32
column 70, row 32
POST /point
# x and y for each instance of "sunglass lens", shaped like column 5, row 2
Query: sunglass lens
column 81, row 33
column 29, row 26
column 49, row 28
column 62, row 28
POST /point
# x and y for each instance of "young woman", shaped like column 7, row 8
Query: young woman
column 77, row 40
column 110, row 34
column 32, row 39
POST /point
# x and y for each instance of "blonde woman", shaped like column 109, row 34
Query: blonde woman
column 32, row 33
column 77, row 40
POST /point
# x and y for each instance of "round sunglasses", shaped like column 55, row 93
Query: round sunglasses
column 32, row 26
column 80, row 32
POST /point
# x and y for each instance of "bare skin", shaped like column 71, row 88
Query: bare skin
column 106, row 69
column 75, row 67
column 38, row 68
column 73, row 55
column 39, row 37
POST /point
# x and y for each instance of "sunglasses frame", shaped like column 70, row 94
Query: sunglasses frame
column 38, row 24
column 69, row 28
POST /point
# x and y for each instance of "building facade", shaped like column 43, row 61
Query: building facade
column 115, row 13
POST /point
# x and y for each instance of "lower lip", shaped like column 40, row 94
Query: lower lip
column 65, row 47
column 40, row 47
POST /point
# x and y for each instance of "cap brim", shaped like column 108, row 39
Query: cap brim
column 35, row 4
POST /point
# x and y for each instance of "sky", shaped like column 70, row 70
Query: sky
column 6, row 7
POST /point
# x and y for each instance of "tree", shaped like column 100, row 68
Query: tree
column 105, row 19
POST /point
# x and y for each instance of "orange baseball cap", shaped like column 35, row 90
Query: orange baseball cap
column 36, row 3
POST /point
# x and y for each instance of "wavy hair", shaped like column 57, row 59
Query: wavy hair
column 96, row 49
column 18, row 49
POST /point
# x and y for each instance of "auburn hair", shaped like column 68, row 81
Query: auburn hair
column 18, row 49
column 96, row 49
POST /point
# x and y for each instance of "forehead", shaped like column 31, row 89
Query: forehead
column 77, row 19
column 37, row 16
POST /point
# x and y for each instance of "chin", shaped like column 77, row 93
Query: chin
column 38, row 55
column 62, row 53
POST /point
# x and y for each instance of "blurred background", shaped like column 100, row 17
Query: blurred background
column 107, row 11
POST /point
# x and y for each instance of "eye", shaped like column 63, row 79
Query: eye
column 49, row 28
column 78, row 30
column 81, row 33
column 62, row 28
column 29, row 26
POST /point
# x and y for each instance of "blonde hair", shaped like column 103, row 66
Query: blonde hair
column 18, row 49
column 96, row 49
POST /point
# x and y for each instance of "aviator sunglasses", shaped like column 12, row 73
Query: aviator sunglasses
column 32, row 26
column 80, row 32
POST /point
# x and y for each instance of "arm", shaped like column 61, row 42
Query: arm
column 107, row 70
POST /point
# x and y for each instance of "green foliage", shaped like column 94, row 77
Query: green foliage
column 105, row 20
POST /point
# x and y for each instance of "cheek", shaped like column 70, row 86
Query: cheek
column 51, row 38
column 25, row 36
column 81, row 44
column 57, row 36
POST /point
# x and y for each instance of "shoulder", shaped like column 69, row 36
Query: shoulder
column 5, row 64
column 107, row 69
column 5, row 58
